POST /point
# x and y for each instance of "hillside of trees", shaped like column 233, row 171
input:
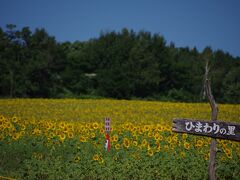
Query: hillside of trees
column 123, row 65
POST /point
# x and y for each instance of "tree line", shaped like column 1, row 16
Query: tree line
column 122, row 65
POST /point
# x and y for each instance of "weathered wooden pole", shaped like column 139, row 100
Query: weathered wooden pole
column 214, row 108
column 214, row 128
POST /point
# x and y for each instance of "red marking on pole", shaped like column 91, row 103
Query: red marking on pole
column 108, row 142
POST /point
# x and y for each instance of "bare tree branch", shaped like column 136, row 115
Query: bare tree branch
column 214, row 108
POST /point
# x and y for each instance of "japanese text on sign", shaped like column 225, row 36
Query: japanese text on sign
column 215, row 129
column 209, row 128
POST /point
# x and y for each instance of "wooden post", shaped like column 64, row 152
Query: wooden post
column 214, row 129
column 214, row 108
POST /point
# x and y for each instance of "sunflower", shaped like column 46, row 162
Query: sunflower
column 8, row 125
column 50, row 124
column 88, row 125
column 14, row 119
column 102, row 131
column 144, row 143
column 127, row 126
column 167, row 128
column 92, row 135
column 70, row 127
column 70, row 135
column 140, row 130
column 15, row 136
column 156, row 136
column 47, row 126
column 115, row 138
column 62, row 137
column 166, row 148
column 51, row 135
column 146, row 128
column 83, row 139
column 117, row 146
column 199, row 143
column 133, row 129
column 77, row 159
column 65, row 129
column 1, row 123
column 62, row 125
column 22, row 133
column 39, row 156
column 95, row 125
column 120, row 131
column 135, row 136
column 169, row 140
column 135, row 143
column 228, row 153
column 150, row 152
column 184, row 136
column 175, row 139
column 2, row 118
column 23, row 127
column 36, row 131
column 150, row 134
column 186, row 145
column 182, row 154
column 95, row 157
column 126, row 143
column 206, row 156
column 159, row 128
column 158, row 146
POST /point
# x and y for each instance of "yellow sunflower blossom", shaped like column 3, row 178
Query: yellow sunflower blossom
column 206, row 156
column 95, row 125
column 126, row 143
column 199, row 143
column 228, row 152
column 182, row 154
column 186, row 145
column 114, row 138
column 184, row 136
column 77, row 159
column 62, row 136
column 117, row 146
column 70, row 135
column 144, row 143
column 95, row 157
column 135, row 143
column 150, row 152
column 83, row 139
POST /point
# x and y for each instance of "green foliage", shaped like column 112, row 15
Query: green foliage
column 123, row 65
column 37, row 158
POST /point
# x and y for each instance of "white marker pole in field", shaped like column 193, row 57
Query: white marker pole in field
column 107, row 129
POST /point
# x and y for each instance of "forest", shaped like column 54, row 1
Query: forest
column 119, row 65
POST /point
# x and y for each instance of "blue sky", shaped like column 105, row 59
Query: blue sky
column 199, row 23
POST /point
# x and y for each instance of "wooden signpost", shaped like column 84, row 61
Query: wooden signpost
column 107, row 130
column 213, row 128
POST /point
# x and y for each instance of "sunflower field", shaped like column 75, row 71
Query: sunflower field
column 65, row 139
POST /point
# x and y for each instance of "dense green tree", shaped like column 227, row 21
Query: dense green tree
column 124, row 65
